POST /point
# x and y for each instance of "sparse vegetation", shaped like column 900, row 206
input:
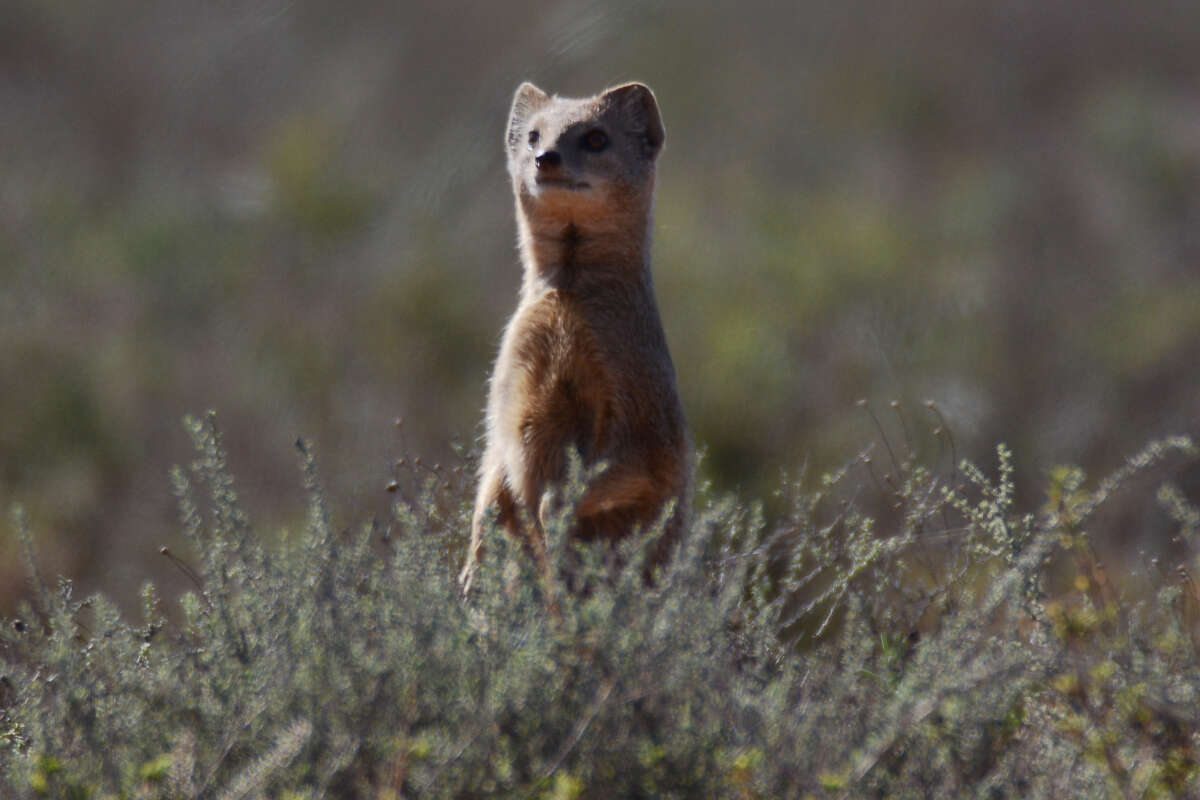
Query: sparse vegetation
column 968, row 648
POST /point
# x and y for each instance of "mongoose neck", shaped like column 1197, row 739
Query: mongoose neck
column 569, row 254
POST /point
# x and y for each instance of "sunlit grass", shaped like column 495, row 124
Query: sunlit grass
column 820, row 654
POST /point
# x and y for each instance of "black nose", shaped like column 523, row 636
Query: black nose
column 548, row 159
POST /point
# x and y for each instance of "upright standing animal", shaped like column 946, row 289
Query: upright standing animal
column 583, row 363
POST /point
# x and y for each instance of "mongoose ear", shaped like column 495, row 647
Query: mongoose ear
column 528, row 99
column 637, row 103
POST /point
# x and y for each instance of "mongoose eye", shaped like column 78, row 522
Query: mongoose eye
column 534, row 136
column 595, row 141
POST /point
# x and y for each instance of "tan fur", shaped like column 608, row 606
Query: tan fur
column 583, row 362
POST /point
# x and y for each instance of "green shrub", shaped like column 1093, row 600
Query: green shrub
column 816, row 656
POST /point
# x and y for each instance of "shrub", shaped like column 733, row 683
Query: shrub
column 815, row 656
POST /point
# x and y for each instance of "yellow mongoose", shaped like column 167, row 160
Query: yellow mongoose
column 583, row 362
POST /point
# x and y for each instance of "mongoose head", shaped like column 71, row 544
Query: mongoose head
column 584, row 162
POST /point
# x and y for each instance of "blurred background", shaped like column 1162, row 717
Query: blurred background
column 296, row 213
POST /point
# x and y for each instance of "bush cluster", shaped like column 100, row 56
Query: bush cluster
column 967, row 650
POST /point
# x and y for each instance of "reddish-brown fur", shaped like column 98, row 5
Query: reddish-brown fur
column 584, row 362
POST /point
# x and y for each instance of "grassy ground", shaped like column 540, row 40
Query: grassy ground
column 973, row 649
